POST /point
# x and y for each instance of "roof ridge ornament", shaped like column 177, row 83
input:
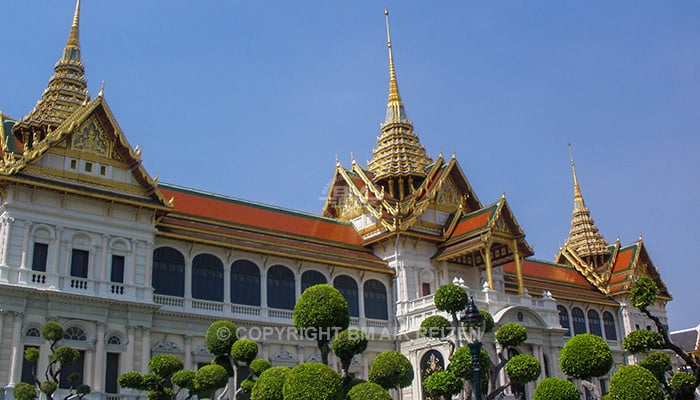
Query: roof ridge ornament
column 395, row 111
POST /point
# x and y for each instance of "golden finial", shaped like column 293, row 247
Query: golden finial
column 102, row 90
column 395, row 111
column 578, row 197
column 72, row 50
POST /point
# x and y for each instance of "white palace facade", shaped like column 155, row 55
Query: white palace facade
column 132, row 268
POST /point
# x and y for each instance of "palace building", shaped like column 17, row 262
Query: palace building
column 132, row 268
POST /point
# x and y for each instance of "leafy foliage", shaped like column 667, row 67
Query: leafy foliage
column 450, row 298
column 683, row 386
column 220, row 337
column 443, row 384
column 643, row 292
column 658, row 363
column 312, row 381
column 367, row 391
column 632, row 382
column 259, row 366
column 48, row 387
column 348, row 344
column 556, row 388
column 488, row 321
column 319, row 314
column 436, row 327
column 211, row 377
column 511, row 335
column 52, row 332
column 642, row 340
column 244, row 351
column 65, row 355
column 391, row 370
column 31, row 354
column 165, row 365
column 184, row 378
column 523, row 368
column 585, row 356
column 24, row 391
column 461, row 364
column 132, row 379
column 269, row 384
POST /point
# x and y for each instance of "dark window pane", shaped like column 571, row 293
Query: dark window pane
column 430, row 363
column 579, row 320
column 375, row 300
column 280, row 288
column 245, row 283
column 168, row 272
column 41, row 252
column 609, row 323
column 207, row 278
column 310, row 278
column 28, row 368
column 348, row 288
column 594, row 323
column 112, row 373
column 73, row 368
column 564, row 319
column 79, row 263
column 118, row 269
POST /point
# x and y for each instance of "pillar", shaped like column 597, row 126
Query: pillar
column 518, row 267
column 98, row 379
column 145, row 348
column 489, row 266
column 188, row 352
column 17, row 350
column 129, row 356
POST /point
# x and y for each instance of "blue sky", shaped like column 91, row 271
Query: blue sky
column 256, row 99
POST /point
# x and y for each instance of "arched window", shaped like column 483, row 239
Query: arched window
column 609, row 324
column 375, row 300
column 33, row 332
column 207, row 278
column 579, row 320
column 168, row 272
column 431, row 362
column 348, row 288
column 245, row 283
column 310, row 278
column 116, row 340
column 594, row 323
column 75, row 333
column 280, row 288
column 564, row 319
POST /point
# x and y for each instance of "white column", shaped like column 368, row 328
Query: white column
column 227, row 288
column 88, row 365
column 7, row 234
column 361, row 301
column 188, row 352
column 25, row 244
column 129, row 356
column 188, row 282
column 17, row 350
column 2, row 325
column 104, row 261
column 55, row 253
column 145, row 348
column 98, row 379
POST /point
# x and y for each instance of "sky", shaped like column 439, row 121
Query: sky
column 257, row 100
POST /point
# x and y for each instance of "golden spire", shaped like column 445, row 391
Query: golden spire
column 66, row 91
column 584, row 236
column 399, row 152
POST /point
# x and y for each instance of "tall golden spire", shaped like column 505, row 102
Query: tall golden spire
column 399, row 152
column 66, row 91
column 584, row 236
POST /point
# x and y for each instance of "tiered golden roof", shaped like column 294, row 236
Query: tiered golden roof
column 399, row 152
column 66, row 91
column 584, row 237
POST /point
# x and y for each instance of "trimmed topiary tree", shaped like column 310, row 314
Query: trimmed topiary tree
column 367, row 391
column 682, row 386
column 641, row 341
column 269, row 384
column 391, row 370
column 556, row 389
column 632, row 382
column 312, row 381
column 436, row 327
column 320, row 314
column 586, row 356
column 658, row 363
column 347, row 345
column 24, row 391
column 522, row 368
column 443, row 385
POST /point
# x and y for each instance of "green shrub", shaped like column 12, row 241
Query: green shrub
column 211, row 377
column 184, row 378
column 556, row 389
column 52, row 332
column 586, row 356
column 224, row 361
column 269, row 384
column 367, row 391
column 220, row 337
column 66, row 355
column 320, row 311
column 244, row 351
column 632, row 382
column 152, row 381
column 259, row 365
column 24, row 391
column 642, row 340
column 391, row 370
column 523, row 368
column 488, row 321
column 83, row 390
column 312, row 381
column 163, row 394
column 131, row 380
column 658, row 363
column 643, row 292
column 511, row 334
column 247, row 385
column 443, row 383
column 461, row 364
column 31, row 354
column 165, row 365
column 683, row 386
column 436, row 327
column 451, row 298
column 48, row 387
column 349, row 343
